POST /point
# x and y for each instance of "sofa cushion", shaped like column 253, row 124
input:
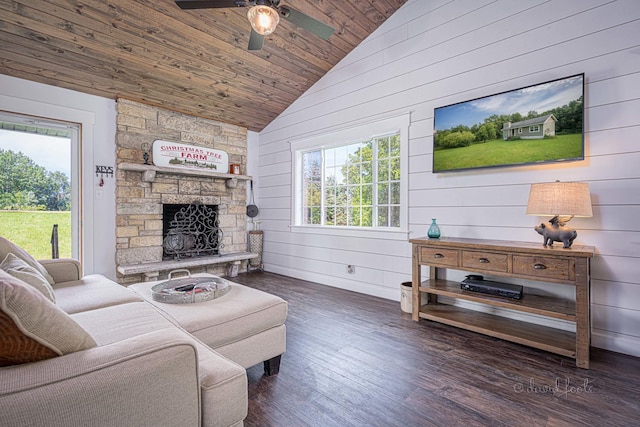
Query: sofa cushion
column 7, row 247
column 91, row 292
column 29, row 318
column 23, row 271
column 124, row 320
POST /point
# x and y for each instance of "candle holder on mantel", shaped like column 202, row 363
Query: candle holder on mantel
column 145, row 152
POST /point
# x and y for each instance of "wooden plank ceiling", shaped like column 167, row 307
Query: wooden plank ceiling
column 192, row 61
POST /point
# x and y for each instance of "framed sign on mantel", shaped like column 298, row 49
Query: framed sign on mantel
column 176, row 155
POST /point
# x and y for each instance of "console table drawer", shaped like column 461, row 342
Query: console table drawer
column 544, row 267
column 438, row 257
column 485, row 261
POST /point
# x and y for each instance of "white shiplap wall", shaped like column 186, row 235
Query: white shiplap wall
column 438, row 52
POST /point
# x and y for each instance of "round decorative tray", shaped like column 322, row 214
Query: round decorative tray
column 186, row 290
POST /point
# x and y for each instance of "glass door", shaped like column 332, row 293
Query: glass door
column 39, row 185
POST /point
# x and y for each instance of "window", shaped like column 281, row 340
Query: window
column 354, row 178
column 535, row 128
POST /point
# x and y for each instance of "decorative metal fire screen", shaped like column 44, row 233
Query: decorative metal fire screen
column 191, row 231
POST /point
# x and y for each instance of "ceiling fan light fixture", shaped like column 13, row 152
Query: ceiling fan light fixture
column 263, row 19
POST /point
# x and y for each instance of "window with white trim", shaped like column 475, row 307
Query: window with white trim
column 535, row 128
column 354, row 178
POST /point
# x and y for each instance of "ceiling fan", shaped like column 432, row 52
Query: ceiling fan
column 263, row 15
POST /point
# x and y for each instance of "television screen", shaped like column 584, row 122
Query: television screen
column 541, row 123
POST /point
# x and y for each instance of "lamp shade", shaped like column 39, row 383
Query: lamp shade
column 263, row 19
column 560, row 198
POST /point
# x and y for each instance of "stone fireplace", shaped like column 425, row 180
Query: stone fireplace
column 142, row 191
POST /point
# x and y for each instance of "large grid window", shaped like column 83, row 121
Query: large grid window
column 353, row 181
column 353, row 185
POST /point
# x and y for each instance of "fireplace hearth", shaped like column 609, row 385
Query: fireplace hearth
column 190, row 230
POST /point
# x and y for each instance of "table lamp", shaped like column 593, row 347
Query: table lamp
column 562, row 200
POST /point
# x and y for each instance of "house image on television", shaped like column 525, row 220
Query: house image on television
column 536, row 128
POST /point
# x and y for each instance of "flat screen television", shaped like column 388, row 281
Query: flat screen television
column 541, row 123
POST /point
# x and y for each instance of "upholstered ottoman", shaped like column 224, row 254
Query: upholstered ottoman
column 245, row 325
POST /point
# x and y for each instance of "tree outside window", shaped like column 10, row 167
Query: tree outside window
column 353, row 185
column 35, row 185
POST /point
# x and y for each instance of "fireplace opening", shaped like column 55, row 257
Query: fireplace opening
column 190, row 230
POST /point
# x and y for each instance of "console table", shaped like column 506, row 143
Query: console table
column 532, row 261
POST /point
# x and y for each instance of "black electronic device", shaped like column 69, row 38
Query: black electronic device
column 476, row 283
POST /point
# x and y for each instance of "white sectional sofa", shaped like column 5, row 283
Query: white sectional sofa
column 134, row 366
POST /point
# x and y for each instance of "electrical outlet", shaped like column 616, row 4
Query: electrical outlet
column 351, row 269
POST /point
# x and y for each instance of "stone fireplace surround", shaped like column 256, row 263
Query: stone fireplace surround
column 142, row 190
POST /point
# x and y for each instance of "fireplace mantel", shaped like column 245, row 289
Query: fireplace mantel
column 149, row 172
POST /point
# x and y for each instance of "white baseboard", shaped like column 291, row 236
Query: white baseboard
column 619, row 343
column 339, row 282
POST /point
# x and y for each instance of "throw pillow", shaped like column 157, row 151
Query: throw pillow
column 29, row 319
column 23, row 271
column 7, row 247
column 17, row 348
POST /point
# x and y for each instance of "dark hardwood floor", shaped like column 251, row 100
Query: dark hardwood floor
column 358, row 360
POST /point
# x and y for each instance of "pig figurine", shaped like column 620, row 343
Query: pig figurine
column 554, row 233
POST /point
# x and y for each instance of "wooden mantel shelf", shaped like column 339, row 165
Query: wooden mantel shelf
column 151, row 170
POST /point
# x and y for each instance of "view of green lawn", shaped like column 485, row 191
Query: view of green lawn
column 509, row 152
column 31, row 230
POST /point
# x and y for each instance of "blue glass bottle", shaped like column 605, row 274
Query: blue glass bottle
column 434, row 230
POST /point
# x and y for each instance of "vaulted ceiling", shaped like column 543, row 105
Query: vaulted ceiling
column 191, row 61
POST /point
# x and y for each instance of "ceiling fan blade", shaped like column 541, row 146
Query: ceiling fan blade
column 255, row 41
column 306, row 22
column 208, row 4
